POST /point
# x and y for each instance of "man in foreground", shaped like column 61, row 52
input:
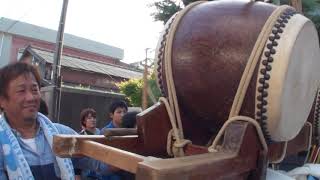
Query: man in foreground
column 26, row 135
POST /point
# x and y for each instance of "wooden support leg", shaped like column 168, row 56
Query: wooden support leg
column 153, row 128
column 238, row 157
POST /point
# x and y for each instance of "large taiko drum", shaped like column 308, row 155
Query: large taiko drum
column 211, row 45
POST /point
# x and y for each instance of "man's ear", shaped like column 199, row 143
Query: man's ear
column 111, row 115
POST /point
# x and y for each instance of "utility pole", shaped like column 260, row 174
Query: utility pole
column 56, row 80
column 145, row 81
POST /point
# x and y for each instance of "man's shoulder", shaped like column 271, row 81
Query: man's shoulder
column 110, row 125
column 63, row 129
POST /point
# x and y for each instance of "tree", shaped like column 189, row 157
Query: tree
column 132, row 89
column 164, row 10
column 186, row 2
column 167, row 8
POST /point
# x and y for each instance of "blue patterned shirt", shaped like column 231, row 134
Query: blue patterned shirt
column 43, row 163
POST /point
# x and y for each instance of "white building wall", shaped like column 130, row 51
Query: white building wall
column 5, row 48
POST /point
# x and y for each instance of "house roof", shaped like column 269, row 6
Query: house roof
column 48, row 35
column 82, row 64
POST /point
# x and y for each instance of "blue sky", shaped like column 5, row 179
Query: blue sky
column 125, row 24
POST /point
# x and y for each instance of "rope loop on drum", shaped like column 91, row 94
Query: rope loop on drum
column 176, row 133
column 173, row 149
column 213, row 148
column 171, row 103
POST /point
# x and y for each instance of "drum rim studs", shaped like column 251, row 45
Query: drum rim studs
column 262, row 87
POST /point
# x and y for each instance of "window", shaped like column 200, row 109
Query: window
column 20, row 52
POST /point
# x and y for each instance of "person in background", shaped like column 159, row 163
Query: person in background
column 88, row 122
column 129, row 120
column 116, row 111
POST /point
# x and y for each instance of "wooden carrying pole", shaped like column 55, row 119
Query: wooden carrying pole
column 77, row 145
column 113, row 156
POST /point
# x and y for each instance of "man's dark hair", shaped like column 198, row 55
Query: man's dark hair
column 84, row 113
column 129, row 120
column 117, row 104
column 43, row 108
column 12, row 71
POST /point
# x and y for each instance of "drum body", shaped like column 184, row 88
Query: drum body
column 210, row 50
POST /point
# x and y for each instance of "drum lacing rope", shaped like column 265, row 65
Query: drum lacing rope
column 171, row 104
column 310, row 141
column 246, row 78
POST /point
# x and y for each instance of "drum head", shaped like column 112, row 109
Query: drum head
column 291, row 77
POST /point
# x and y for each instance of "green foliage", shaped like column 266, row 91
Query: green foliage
column 186, row 2
column 154, row 86
column 309, row 6
column 133, row 91
column 164, row 10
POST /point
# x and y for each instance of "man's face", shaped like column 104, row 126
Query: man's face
column 23, row 100
column 117, row 115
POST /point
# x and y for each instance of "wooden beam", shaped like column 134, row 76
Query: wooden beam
column 121, row 159
column 120, row 132
column 77, row 145
column 204, row 166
